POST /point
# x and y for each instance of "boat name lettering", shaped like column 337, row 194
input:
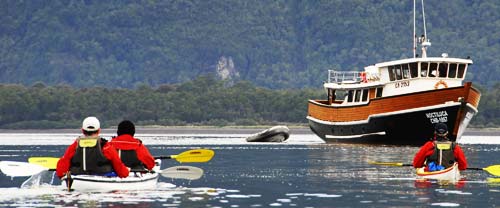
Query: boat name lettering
column 402, row 84
column 437, row 117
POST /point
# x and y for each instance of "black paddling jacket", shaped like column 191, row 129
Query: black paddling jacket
column 130, row 159
column 88, row 158
column 443, row 153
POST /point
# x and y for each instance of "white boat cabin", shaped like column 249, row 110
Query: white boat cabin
column 395, row 78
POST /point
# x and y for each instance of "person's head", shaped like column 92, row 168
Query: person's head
column 441, row 131
column 90, row 126
column 126, row 127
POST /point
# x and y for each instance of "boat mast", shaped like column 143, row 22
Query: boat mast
column 424, row 40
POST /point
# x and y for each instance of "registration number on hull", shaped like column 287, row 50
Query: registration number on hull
column 402, row 84
column 437, row 117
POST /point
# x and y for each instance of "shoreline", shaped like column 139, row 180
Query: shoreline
column 171, row 130
column 217, row 130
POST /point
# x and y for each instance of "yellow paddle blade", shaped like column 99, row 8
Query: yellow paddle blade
column 386, row 163
column 48, row 162
column 494, row 180
column 493, row 170
column 197, row 155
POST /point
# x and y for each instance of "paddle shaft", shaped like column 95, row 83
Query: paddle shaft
column 163, row 157
column 190, row 156
column 406, row 164
column 133, row 170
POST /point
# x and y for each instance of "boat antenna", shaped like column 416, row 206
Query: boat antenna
column 414, row 30
column 423, row 17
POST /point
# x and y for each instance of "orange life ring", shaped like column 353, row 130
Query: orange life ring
column 441, row 82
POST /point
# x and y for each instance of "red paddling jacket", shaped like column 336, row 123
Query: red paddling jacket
column 132, row 152
column 430, row 152
column 91, row 155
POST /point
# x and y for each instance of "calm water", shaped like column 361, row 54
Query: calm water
column 303, row 172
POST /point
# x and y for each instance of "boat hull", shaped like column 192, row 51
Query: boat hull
column 450, row 174
column 103, row 183
column 404, row 126
column 135, row 181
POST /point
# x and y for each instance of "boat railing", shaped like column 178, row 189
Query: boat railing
column 345, row 77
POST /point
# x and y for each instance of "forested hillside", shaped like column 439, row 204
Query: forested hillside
column 276, row 44
column 203, row 101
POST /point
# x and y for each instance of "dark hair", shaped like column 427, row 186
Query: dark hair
column 88, row 133
column 441, row 128
column 126, row 127
column 441, row 131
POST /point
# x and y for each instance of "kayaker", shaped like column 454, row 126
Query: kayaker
column 131, row 150
column 440, row 152
column 90, row 154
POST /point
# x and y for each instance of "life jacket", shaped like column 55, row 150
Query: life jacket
column 130, row 159
column 127, row 153
column 88, row 158
column 443, row 154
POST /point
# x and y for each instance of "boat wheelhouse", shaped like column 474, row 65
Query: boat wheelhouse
column 396, row 102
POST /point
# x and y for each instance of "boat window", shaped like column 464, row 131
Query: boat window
column 340, row 95
column 461, row 70
column 379, row 92
column 423, row 68
column 349, row 96
column 391, row 73
column 358, row 95
column 443, row 69
column 433, row 69
column 399, row 75
column 364, row 98
column 414, row 69
column 452, row 73
column 406, row 71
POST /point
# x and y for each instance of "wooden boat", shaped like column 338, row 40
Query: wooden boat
column 449, row 174
column 396, row 102
column 135, row 181
column 273, row 134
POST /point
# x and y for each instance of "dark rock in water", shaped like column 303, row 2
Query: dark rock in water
column 274, row 134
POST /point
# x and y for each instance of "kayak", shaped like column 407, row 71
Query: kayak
column 135, row 181
column 449, row 174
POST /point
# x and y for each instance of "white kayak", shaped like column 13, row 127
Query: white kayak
column 135, row 181
column 449, row 174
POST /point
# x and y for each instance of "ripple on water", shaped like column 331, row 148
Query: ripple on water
column 322, row 195
column 445, row 204
column 444, row 191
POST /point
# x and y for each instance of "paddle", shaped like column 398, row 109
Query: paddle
column 189, row 156
column 16, row 169
column 13, row 168
column 193, row 156
column 48, row 162
column 492, row 169
column 182, row 172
